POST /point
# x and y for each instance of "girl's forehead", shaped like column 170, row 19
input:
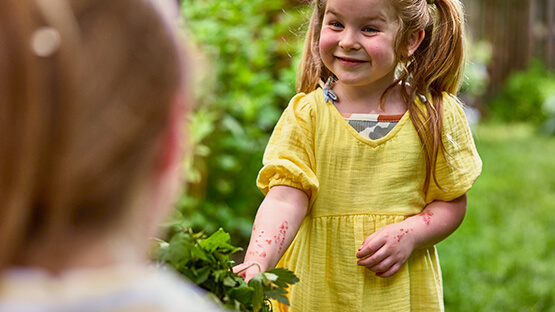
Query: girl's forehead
column 361, row 9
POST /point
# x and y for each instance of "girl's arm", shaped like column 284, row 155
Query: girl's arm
column 386, row 250
column 277, row 221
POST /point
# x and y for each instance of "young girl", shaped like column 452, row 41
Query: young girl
column 91, row 112
column 363, row 176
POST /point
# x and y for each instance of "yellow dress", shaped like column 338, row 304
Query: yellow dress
column 356, row 186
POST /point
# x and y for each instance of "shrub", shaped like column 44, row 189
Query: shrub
column 250, row 51
column 206, row 262
column 548, row 127
column 523, row 95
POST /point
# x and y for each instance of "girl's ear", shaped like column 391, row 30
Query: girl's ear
column 415, row 40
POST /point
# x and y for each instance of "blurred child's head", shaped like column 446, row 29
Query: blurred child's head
column 90, row 114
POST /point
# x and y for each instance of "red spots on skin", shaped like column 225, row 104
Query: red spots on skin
column 427, row 216
column 259, row 245
column 280, row 238
column 254, row 227
column 269, row 241
column 403, row 233
column 263, row 254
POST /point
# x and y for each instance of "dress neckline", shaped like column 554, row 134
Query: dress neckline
column 373, row 143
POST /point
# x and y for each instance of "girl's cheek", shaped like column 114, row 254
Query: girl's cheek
column 327, row 37
column 326, row 44
column 381, row 51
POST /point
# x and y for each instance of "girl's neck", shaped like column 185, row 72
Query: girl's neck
column 365, row 100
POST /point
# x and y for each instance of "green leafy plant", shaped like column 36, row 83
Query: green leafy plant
column 249, row 54
column 548, row 127
column 523, row 96
column 206, row 262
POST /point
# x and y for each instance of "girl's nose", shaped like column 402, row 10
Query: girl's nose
column 349, row 40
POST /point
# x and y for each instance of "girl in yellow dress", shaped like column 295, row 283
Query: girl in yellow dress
column 364, row 175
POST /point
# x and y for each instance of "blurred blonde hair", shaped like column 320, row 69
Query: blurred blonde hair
column 81, row 124
column 437, row 66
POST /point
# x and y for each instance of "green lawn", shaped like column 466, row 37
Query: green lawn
column 502, row 258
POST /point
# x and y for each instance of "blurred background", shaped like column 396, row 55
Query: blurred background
column 502, row 258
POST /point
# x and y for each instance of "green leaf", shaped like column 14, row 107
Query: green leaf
column 284, row 277
column 220, row 239
column 220, row 275
column 229, row 282
column 271, row 277
column 258, row 296
column 278, row 294
column 160, row 250
column 242, row 293
column 198, row 253
column 201, row 275
column 180, row 250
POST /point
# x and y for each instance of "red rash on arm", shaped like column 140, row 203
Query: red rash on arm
column 427, row 216
column 403, row 233
column 280, row 238
column 277, row 221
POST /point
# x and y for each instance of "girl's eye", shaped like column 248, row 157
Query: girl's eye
column 370, row 29
column 336, row 24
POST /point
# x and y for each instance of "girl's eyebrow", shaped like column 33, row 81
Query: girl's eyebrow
column 378, row 17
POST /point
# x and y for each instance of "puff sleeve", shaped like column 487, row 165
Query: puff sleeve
column 460, row 167
column 289, row 157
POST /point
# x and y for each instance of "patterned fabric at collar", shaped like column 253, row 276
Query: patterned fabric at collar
column 329, row 95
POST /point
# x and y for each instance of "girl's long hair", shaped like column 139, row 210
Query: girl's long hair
column 436, row 67
column 87, row 89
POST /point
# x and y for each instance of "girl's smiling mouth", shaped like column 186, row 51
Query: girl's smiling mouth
column 349, row 61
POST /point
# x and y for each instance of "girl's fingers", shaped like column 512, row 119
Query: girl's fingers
column 237, row 269
column 374, row 259
column 390, row 272
column 369, row 247
column 383, row 266
column 367, row 240
column 247, row 270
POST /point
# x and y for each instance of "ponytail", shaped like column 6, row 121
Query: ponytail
column 435, row 67
column 438, row 65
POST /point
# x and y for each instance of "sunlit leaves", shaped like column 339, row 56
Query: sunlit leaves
column 206, row 262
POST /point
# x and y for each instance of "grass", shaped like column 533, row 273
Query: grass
column 502, row 258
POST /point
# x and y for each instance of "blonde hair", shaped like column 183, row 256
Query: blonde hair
column 437, row 65
column 81, row 120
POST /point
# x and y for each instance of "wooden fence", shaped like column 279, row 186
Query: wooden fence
column 518, row 31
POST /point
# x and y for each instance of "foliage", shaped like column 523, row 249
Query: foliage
column 548, row 127
column 250, row 51
column 523, row 95
column 476, row 76
column 206, row 262
column 501, row 258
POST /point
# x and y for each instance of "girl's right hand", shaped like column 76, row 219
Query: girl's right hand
column 247, row 270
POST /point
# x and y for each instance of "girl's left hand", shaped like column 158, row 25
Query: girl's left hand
column 387, row 249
